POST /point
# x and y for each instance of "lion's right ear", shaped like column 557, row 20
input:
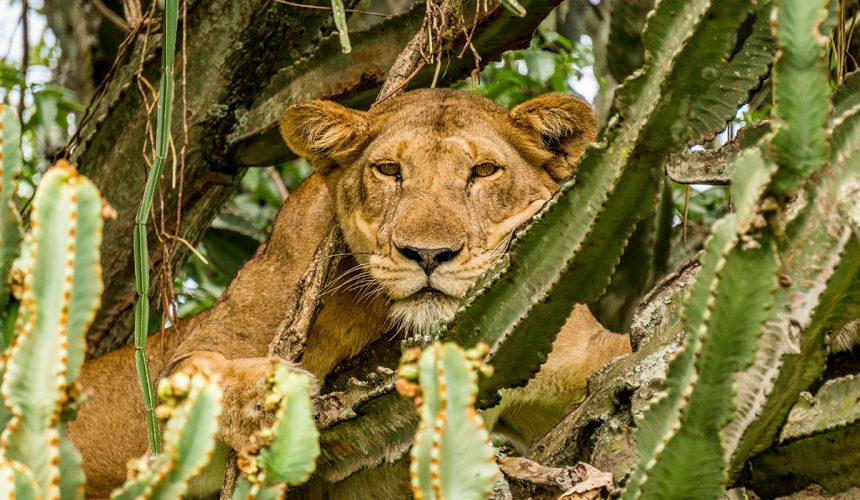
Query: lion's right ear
column 565, row 126
column 323, row 132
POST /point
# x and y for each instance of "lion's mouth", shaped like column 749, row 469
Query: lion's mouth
column 429, row 292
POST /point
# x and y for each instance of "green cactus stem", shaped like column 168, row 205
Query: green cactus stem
column 800, row 91
column 617, row 183
column 284, row 454
column 62, row 291
column 192, row 406
column 141, row 252
column 451, row 456
column 10, row 220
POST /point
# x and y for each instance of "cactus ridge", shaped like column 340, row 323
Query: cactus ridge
column 746, row 357
column 847, row 94
column 10, row 220
column 16, row 481
column 786, row 366
column 660, row 425
column 833, row 407
column 451, row 456
column 800, row 91
column 61, row 292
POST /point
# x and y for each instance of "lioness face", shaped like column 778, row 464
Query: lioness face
column 430, row 186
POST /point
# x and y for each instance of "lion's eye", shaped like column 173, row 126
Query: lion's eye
column 390, row 169
column 484, row 169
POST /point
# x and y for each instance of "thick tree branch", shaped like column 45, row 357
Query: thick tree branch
column 359, row 74
column 713, row 166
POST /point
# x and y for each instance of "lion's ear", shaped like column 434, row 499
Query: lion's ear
column 565, row 125
column 323, row 132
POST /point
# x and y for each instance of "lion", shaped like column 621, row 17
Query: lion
column 428, row 189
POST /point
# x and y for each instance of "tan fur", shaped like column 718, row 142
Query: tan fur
column 436, row 137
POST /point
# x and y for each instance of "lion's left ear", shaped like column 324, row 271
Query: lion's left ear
column 323, row 132
column 565, row 125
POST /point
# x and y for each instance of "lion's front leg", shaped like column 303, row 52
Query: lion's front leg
column 243, row 382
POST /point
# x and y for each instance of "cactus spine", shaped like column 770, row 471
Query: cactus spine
column 451, row 456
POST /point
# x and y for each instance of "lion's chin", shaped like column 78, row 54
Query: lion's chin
column 417, row 316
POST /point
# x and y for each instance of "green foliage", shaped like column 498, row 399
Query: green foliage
column 548, row 65
column 285, row 453
column 141, row 252
column 243, row 224
column 193, row 404
column 61, row 293
column 49, row 108
column 451, row 454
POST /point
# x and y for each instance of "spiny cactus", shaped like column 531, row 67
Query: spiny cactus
column 747, row 355
column 192, row 402
column 10, row 221
column 285, row 453
column 451, row 455
column 695, row 60
column 678, row 455
column 62, row 290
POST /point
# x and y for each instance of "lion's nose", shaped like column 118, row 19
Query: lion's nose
column 429, row 258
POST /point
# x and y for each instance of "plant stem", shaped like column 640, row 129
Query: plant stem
column 141, row 256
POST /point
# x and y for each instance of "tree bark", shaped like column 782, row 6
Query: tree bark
column 233, row 48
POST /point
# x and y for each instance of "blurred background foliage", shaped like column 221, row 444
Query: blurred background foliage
column 58, row 52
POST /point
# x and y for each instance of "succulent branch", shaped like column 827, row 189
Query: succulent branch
column 521, row 305
column 451, row 454
column 10, row 221
column 747, row 357
column 61, row 293
column 191, row 405
column 285, row 453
